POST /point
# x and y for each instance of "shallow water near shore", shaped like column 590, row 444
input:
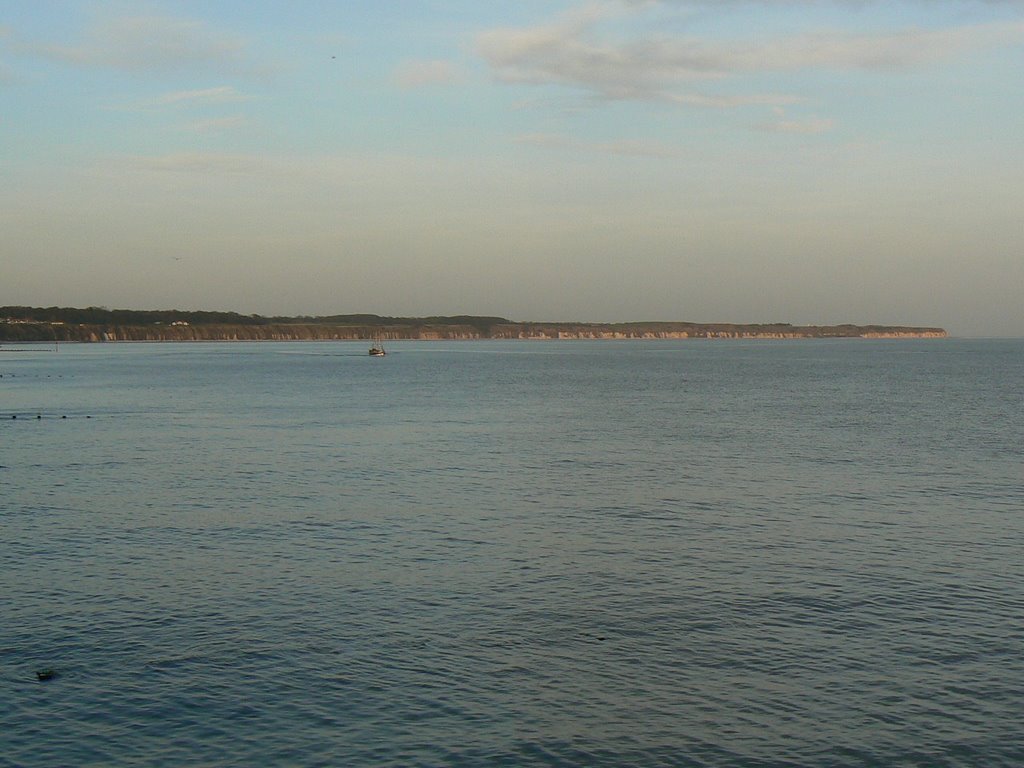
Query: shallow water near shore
column 678, row 553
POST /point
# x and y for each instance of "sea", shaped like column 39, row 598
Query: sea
column 514, row 553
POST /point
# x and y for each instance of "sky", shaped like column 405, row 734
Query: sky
column 796, row 161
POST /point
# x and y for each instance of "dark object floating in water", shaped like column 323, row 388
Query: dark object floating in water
column 46, row 674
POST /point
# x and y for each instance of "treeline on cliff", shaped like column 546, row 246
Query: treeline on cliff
column 473, row 321
column 126, row 317
column 26, row 324
column 104, row 316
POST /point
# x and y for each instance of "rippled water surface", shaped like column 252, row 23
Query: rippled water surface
column 520, row 553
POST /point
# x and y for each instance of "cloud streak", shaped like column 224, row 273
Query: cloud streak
column 220, row 95
column 421, row 74
column 571, row 52
column 142, row 44
column 201, row 163
column 215, row 125
column 809, row 126
column 623, row 147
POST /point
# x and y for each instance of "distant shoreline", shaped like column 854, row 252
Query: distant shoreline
column 42, row 332
column 98, row 324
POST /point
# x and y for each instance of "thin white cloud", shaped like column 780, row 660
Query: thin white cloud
column 729, row 102
column 203, row 163
column 544, row 140
column 896, row 50
column 785, row 124
column 635, row 148
column 809, row 126
column 358, row 173
column 216, row 124
column 567, row 52
column 571, row 52
column 157, row 44
column 625, row 147
column 420, row 74
column 220, row 95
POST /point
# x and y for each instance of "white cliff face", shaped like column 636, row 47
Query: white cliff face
column 936, row 334
column 552, row 333
column 535, row 331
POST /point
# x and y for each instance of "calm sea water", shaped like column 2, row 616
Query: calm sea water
column 805, row 553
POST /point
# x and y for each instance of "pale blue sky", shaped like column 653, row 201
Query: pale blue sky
column 805, row 162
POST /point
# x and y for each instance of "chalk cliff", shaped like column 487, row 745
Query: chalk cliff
column 15, row 330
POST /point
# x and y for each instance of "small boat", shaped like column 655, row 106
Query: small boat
column 377, row 347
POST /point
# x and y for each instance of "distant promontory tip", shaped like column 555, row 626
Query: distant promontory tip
column 97, row 324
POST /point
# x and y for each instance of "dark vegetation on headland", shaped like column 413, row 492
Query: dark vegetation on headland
column 96, row 324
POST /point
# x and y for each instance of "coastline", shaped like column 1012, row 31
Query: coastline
column 12, row 332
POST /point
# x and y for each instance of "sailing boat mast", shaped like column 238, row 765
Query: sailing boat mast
column 377, row 346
